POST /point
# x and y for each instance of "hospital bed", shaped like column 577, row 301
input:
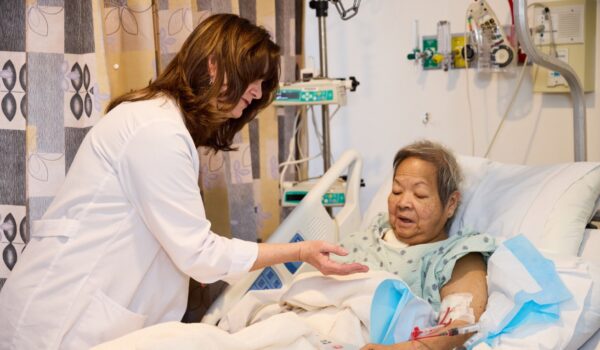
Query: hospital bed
column 554, row 206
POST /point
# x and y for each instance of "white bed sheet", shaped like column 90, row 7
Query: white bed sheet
column 312, row 312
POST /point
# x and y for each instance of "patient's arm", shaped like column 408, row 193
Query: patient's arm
column 468, row 276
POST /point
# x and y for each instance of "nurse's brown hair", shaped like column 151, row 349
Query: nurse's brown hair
column 242, row 53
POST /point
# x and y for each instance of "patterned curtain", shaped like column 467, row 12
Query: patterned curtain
column 62, row 60
column 52, row 91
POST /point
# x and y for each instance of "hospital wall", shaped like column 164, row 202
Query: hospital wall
column 386, row 111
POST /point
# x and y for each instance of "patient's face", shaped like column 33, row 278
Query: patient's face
column 415, row 208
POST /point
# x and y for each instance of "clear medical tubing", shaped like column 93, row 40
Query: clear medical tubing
column 553, row 63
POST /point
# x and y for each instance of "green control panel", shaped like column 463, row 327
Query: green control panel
column 331, row 199
column 303, row 95
column 430, row 44
column 334, row 199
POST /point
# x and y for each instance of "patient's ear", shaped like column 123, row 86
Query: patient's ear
column 452, row 204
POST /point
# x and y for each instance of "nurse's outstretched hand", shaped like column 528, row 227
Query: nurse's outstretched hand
column 317, row 254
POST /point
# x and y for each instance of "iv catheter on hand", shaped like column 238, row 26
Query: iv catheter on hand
column 433, row 331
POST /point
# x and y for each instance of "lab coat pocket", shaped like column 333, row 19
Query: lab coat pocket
column 103, row 320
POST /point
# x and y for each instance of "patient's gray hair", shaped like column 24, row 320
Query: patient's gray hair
column 449, row 174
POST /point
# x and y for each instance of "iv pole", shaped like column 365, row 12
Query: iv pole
column 321, row 7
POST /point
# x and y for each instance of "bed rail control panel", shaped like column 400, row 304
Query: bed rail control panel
column 268, row 279
column 293, row 266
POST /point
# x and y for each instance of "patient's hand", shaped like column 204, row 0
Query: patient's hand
column 317, row 253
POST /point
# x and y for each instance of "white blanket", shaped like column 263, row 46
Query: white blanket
column 313, row 312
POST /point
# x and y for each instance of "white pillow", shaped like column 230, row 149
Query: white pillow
column 566, row 223
column 550, row 204
column 589, row 321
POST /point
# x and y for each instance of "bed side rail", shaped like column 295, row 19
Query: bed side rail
column 308, row 221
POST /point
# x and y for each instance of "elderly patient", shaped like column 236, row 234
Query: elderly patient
column 412, row 241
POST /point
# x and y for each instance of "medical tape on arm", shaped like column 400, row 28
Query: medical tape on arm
column 455, row 307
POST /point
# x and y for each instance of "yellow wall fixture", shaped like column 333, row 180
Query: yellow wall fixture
column 569, row 33
column 458, row 45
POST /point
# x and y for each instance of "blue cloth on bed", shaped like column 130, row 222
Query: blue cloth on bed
column 395, row 311
column 525, row 291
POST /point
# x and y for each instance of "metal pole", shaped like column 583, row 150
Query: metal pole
column 324, row 108
column 553, row 63
column 156, row 30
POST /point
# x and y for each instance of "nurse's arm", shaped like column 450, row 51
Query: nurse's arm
column 315, row 253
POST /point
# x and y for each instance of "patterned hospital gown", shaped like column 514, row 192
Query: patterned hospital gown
column 425, row 268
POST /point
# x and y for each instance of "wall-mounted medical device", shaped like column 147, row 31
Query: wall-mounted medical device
column 316, row 91
column 569, row 33
column 484, row 45
column 494, row 51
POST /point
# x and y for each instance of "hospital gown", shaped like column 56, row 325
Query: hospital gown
column 425, row 268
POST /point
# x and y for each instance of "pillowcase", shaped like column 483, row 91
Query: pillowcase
column 549, row 204
column 566, row 223
column 589, row 321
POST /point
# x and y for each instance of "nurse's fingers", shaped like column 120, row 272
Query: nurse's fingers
column 317, row 253
column 332, row 248
column 330, row 267
column 334, row 268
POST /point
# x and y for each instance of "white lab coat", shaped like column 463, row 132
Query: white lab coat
column 114, row 250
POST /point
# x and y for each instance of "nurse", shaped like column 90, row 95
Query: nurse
column 115, row 249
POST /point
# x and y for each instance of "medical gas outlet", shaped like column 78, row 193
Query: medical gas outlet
column 459, row 56
column 485, row 44
column 569, row 34
column 316, row 91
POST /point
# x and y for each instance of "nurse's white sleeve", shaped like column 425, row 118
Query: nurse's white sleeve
column 157, row 173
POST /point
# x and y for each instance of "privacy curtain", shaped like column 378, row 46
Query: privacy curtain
column 52, row 88
column 61, row 61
